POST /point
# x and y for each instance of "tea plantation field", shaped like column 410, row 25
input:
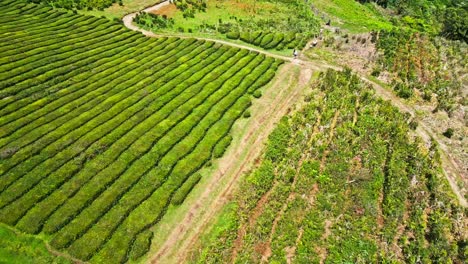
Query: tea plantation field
column 100, row 127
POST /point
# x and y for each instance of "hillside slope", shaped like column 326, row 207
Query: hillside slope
column 341, row 182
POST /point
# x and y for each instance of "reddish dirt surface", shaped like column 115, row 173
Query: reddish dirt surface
column 168, row 10
column 257, row 211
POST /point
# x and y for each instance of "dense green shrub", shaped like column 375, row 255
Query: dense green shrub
column 257, row 94
column 185, row 189
column 455, row 25
column 448, row 133
column 222, row 145
column 141, row 245
column 403, row 90
column 152, row 21
column 233, row 35
column 266, row 39
column 418, row 61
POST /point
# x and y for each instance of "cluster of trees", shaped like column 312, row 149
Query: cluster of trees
column 445, row 17
column 432, row 65
column 455, row 24
column 190, row 7
column 153, row 21
column 109, row 128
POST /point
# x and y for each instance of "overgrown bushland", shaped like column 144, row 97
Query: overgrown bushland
column 341, row 181
column 420, row 62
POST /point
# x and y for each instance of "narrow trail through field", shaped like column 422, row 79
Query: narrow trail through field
column 186, row 234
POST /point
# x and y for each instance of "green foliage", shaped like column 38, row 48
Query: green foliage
column 426, row 63
column 185, row 189
column 278, row 139
column 448, row 133
column 402, row 90
column 189, row 7
column 455, row 25
column 141, row 245
column 18, row 248
column 153, row 22
column 257, row 94
column 352, row 15
column 222, row 145
column 233, row 35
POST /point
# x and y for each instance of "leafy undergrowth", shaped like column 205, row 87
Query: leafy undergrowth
column 341, row 181
column 352, row 15
column 419, row 62
column 101, row 128
column 22, row 249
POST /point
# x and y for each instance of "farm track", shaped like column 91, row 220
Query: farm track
column 254, row 138
column 450, row 168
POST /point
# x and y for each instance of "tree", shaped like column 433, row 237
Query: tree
column 456, row 24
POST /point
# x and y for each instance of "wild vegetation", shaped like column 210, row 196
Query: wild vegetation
column 267, row 24
column 25, row 249
column 341, row 181
column 100, row 126
column 153, row 22
column 433, row 66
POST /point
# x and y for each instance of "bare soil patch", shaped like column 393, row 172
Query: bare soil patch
column 167, row 10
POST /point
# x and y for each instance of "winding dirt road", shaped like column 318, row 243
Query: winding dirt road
column 186, row 233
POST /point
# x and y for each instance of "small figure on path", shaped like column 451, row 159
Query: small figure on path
column 295, row 53
column 314, row 43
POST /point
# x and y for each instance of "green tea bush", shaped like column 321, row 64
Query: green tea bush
column 185, row 189
column 233, row 35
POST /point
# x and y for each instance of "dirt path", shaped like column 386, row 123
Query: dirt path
column 61, row 254
column 128, row 22
column 186, row 234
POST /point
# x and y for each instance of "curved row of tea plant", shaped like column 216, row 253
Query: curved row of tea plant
column 341, row 181
column 100, row 126
column 269, row 40
column 79, row 4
